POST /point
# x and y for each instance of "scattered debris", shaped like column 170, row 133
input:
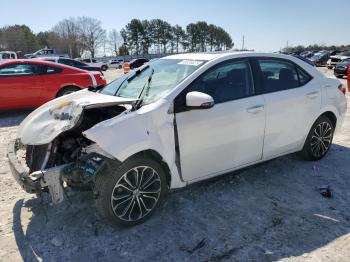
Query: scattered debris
column 227, row 254
column 325, row 191
column 268, row 252
column 199, row 245
column 316, row 168
column 57, row 242
column 277, row 220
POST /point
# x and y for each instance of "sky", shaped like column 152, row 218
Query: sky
column 267, row 25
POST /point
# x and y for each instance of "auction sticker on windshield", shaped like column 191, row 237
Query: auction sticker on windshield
column 190, row 62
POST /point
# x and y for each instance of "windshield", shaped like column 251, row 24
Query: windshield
column 159, row 77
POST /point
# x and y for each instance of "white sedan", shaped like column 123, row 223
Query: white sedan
column 176, row 121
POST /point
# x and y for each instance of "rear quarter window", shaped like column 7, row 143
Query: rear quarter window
column 52, row 70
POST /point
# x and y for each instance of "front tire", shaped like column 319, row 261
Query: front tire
column 67, row 90
column 104, row 68
column 130, row 193
column 319, row 139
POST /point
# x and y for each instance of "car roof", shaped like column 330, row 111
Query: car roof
column 230, row 54
column 39, row 62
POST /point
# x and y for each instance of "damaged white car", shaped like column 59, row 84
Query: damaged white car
column 173, row 122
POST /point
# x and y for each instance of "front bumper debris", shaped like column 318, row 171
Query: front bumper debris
column 36, row 181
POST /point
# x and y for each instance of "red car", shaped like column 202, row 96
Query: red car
column 348, row 77
column 30, row 83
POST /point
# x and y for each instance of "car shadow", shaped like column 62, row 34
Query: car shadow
column 263, row 213
column 13, row 117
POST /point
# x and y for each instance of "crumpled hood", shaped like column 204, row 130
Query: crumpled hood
column 61, row 114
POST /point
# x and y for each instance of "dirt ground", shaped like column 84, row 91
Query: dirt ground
column 269, row 212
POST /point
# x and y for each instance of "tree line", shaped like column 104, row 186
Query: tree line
column 300, row 48
column 85, row 35
column 139, row 37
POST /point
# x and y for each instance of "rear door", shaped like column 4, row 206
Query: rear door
column 228, row 135
column 293, row 101
column 20, row 85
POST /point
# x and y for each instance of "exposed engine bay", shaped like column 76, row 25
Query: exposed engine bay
column 79, row 155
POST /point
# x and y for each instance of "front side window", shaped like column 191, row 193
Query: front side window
column 278, row 75
column 19, row 70
column 226, row 82
column 152, row 81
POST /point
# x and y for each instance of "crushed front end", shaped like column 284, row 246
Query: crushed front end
column 51, row 151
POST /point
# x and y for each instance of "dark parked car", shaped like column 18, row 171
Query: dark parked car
column 320, row 59
column 73, row 63
column 307, row 54
column 340, row 69
column 304, row 59
column 135, row 63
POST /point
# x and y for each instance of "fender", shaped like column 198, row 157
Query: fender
column 135, row 131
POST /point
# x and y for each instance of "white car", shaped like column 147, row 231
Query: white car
column 4, row 55
column 93, row 62
column 173, row 122
column 116, row 63
column 333, row 60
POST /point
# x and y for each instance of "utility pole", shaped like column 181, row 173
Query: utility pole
column 243, row 43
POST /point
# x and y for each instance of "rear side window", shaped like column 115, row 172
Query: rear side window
column 279, row 75
column 52, row 70
column 19, row 70
column 227, row 82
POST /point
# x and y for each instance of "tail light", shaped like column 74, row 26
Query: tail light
column 342, row 88
column 348, row 76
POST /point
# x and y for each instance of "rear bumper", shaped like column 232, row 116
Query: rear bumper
column 28, row 183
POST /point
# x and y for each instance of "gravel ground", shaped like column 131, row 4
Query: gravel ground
column 272, row 211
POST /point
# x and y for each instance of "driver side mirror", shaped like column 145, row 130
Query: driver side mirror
column 199, row 100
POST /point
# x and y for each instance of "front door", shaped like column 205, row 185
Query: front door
column 228, row 135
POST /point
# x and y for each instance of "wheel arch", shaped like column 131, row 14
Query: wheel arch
column 153, row 154
column 331, row 116
column 328, row 112
column 67, row 86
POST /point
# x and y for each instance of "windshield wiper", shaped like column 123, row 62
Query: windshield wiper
column 137, row 72
column 144, row 90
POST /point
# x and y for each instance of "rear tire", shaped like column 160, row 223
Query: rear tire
column 67, row 90
column 319, row 139
column 129, row 194
column 104, row 68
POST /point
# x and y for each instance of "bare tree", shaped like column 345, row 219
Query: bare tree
column 92, row 34
column 115, row 41
column 66, row 36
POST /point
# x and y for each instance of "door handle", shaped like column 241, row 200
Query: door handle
column 255, row 109
column 312, row 95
